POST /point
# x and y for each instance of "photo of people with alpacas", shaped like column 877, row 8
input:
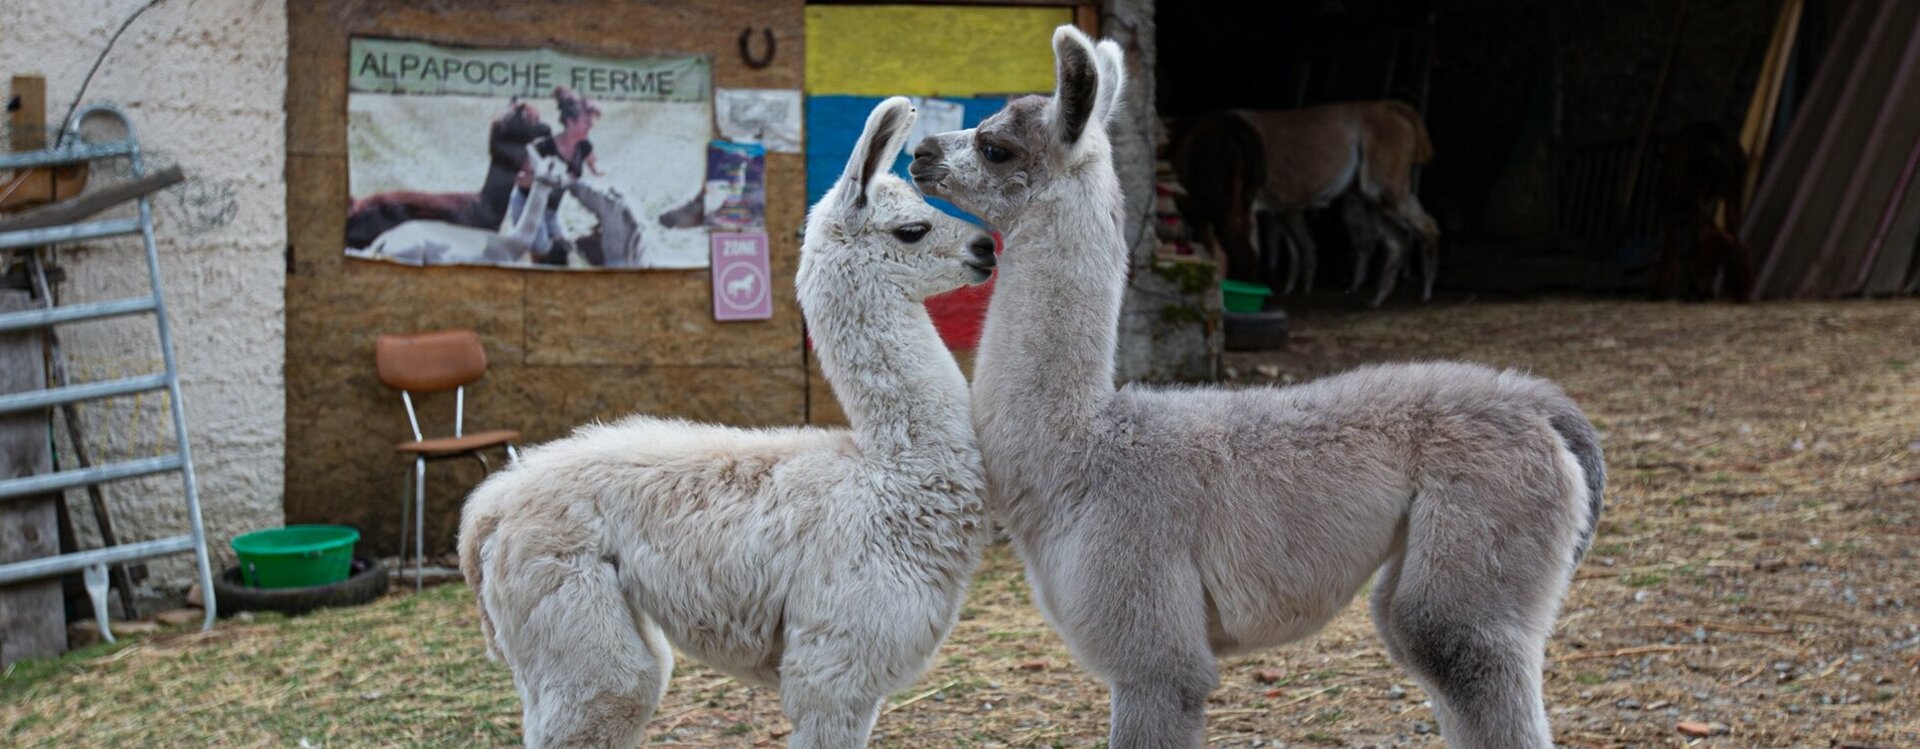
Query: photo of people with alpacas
column 611, row 153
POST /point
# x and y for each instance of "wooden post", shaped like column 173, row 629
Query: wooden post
column 33, row 622
column 28, row 121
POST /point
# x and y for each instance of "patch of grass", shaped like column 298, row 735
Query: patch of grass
column 1589, row 678
column 1645, row 579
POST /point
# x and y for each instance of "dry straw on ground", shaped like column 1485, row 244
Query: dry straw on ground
column 1752, row 584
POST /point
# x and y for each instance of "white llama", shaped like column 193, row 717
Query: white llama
column 830, row 563
column 1162, row 528
column 616, row 242
column 424, row 242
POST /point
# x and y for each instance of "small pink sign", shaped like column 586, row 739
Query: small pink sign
column 742, row 282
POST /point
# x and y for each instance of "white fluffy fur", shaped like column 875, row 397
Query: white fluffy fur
column 830, row 563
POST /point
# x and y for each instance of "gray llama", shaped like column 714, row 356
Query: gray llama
column 1163, row 528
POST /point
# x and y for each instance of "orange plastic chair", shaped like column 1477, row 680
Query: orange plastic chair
column 433, row 363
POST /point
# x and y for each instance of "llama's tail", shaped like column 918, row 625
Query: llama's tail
column 1583, row 440
column 1422, row 144
column 477, row 525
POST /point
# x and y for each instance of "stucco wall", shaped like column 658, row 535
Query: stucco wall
column 204, row 82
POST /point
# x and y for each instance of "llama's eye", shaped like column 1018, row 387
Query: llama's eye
column 911, row 232
column 995, row 154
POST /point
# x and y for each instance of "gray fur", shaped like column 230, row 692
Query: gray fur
column 1165, row 527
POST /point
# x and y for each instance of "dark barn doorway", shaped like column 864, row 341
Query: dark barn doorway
column 1548, row 119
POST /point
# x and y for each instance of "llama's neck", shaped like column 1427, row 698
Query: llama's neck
column 899, row 386
column 1045, row 364
column 531, row 213
column 620, row 229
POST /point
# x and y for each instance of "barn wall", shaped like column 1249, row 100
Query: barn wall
column 204, row 83
column 565, row 348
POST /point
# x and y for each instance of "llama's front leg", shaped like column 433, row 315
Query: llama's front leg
column 1139, row 622
column 823, row 719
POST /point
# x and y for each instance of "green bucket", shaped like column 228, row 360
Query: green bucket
column 1240, row 296
column 297, row 556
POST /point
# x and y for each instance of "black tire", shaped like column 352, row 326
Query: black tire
column 1256, row 331
column 366, row 580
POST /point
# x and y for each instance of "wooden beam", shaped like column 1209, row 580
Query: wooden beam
column 69, row 211
column 33, row 622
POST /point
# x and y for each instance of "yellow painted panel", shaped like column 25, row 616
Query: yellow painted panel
column 930, row 50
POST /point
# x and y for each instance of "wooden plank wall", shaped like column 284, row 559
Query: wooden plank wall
column 565, row 348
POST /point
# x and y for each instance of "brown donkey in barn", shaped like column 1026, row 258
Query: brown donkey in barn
column 1248, row 172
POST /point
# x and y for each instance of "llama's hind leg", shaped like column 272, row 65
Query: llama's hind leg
column 590, row 669
column 1472, row 625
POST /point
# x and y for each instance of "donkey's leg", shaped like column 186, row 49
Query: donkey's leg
column 590, row 674
column 1272, row 239
column 1390, row 266
column 1363, row 232
column 1303, row 242
column 1472, row 625
column 1429, row 266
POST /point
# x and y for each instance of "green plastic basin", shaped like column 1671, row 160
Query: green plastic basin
column 1240, row 296
column 297, row 556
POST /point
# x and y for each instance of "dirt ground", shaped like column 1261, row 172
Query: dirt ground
column 1754, row 574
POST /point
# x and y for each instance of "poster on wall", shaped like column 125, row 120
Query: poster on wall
column 770, row 117
column 736, row 186
column 527, row 158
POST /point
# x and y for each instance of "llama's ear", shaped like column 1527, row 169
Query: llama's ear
column 1113, row 80
column 879, row 144
column 1076, row 85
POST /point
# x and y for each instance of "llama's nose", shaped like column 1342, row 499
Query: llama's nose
column 982, row 248
column 925, row 157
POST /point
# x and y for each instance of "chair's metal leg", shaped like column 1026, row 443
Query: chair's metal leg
column 512, row 455
column 406, row 519
column 485, row 468
column 96, row 579
column 419, row 522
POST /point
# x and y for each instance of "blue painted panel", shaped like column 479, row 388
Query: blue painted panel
column 834, row 123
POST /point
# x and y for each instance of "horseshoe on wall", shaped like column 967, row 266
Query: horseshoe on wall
column 746, row 49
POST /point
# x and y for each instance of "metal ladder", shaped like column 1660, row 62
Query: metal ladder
column 93, row 563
